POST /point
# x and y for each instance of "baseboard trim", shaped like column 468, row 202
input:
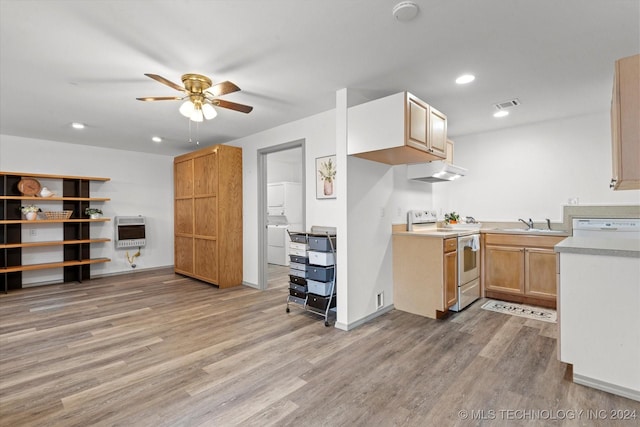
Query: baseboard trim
column 608, row 387
column 353, row 325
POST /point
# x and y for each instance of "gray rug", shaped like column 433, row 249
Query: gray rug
column 528, row 311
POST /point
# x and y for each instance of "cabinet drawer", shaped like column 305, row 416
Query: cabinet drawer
column 320, row 302
column 298, row 237
column 297, row 252
column 298, row 266
column 321, row 243
column 321, row 258
column 319, row 288
column 297, row 294
column 297, row 300
column 300, row 246
column 321, row 274
column 298, row 288
column 297, row 280
column 299, row 259
column 299, row 273
column 450, row 245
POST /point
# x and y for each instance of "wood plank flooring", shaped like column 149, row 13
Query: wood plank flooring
column 157, row 349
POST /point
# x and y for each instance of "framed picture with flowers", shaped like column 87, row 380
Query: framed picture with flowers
column 326, row 177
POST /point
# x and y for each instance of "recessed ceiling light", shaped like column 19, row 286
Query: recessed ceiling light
column 77, row 125
column 501, row 113
column 465, row 78
column 156, row 139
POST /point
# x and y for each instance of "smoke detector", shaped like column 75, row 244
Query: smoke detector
column 405, row 11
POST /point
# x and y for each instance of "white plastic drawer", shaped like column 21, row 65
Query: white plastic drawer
column 298, row 252
column 321, row 258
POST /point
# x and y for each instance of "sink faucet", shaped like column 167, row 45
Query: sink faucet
column 548, row 223
column 528, row 224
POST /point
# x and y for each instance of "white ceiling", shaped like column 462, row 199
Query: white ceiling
column 71, row 60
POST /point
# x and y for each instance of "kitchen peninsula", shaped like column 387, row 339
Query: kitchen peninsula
column 599, row 312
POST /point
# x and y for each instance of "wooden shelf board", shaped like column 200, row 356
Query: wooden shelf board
column 52, row 265
column 38, row 221
column 45, row 199
column 52, row 243
column 42, row 175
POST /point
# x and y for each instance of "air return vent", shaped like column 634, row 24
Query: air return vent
column 507, row 104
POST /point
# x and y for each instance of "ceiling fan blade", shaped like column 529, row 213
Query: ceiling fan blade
column 166, row 82
column 232, row 105
column 160, row 98
column 223, row 88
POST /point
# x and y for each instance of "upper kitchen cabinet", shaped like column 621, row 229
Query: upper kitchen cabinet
column 397, row 129
column 625, row 125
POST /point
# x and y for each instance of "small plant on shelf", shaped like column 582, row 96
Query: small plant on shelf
column 451, row 218
column 30, row 208
column 93, row 212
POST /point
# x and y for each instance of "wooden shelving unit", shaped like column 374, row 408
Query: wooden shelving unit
column 76, row 241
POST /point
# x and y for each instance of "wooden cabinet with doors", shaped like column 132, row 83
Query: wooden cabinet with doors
column 520, row 268
column 625, row 124
column 208, row 215
column 424, row 274
column 397, row 129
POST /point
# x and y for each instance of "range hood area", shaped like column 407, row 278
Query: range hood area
column 437, row 171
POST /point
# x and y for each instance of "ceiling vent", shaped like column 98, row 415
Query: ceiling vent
column 507, row 104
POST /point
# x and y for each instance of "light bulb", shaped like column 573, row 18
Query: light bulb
column 196, row 116
column 208, row 111
column 186, row 109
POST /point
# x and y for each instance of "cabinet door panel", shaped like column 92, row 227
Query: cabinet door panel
column 417, row 126
column 184, row 216
column 504, row 269
column 205, row 172
column 183, row 179
column 437, row 132
column 450, row 278
column 206, row 216
column 540, row 273
column 183, row 256
column 206, row 259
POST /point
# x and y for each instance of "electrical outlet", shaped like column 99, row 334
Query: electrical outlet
column 381, row 212
column 34, row 232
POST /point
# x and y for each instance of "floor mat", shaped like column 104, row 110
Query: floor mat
column 528, row 311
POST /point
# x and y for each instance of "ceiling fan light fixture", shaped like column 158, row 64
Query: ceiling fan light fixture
column 187, row 108
column 196, row 116
column 208, row 111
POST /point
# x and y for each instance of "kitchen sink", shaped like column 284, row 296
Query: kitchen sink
column 531, row 230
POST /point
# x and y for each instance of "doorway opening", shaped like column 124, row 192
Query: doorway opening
column 281, row 203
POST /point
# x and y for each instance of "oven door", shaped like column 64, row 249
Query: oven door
column 468, row 258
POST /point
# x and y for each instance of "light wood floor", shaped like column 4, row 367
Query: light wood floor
column 157, row 349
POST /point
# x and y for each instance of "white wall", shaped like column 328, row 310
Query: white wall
column 141, row 184
column 532, row 171
column 318, row 131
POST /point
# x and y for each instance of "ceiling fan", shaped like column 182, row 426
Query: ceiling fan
column 200, row 95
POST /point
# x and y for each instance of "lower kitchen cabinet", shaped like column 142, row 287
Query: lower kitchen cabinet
column 520, row 268
column 450, row 271
column 424, row 274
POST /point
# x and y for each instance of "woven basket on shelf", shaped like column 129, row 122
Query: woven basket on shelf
column 58, row 214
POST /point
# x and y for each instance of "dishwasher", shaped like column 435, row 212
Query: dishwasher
column 610, row 228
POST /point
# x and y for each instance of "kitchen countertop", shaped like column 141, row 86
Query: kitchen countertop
column 444, row 233
column 559, row 233
column 600, row 246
